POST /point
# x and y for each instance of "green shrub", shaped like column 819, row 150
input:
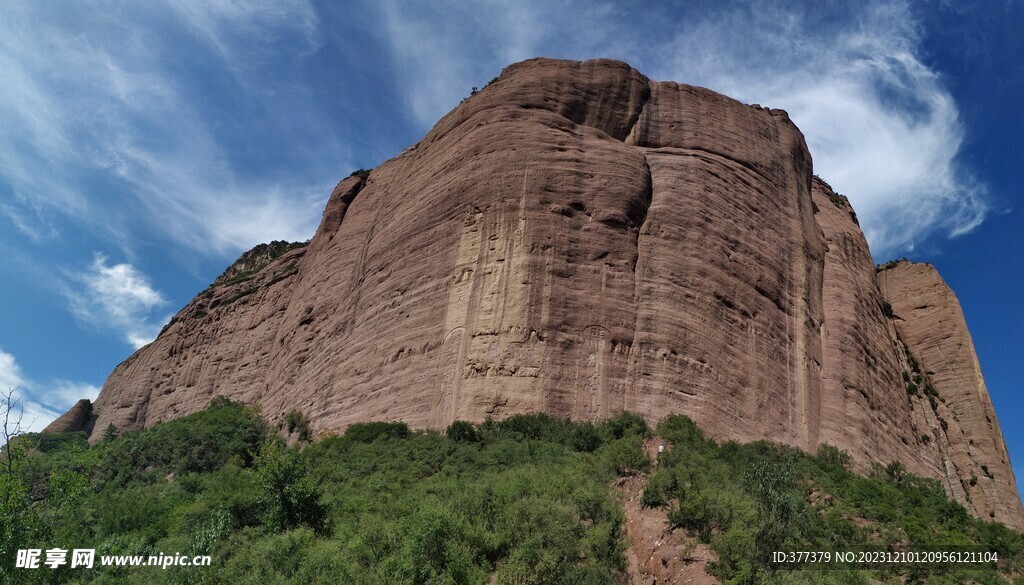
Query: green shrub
column 704, row 509
column 534, row 426
column 289, row 495
column 832, row 455
column 530, row 501
column 889, row 265
column 461, row 431
column 296, row 421
column 585, row 437
column 373, row 431
column 682, row 432
column 896, row 472
column 626, row 455
column 200, row 442
column 52, row 442
column 912, row 389
column 652, row 497
column 778, row 505
column 627, row 424
column 110, row 433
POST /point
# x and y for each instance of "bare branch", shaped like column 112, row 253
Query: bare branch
column 13, row 412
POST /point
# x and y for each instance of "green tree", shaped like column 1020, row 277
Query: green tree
column 290, row 495
column 461, row 431
column 110, row 433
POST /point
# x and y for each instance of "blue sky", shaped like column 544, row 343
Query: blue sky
column 143, row 146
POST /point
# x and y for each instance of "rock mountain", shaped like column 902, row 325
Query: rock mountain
column 578, row 239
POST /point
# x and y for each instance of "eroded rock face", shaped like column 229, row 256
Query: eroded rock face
column 576, row 239
column 931, row 323
column 865, row 406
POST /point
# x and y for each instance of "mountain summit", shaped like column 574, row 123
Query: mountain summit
column 580, row 240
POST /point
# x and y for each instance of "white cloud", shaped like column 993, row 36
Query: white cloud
column 29, row 416
column 104, row 125
column 880, row 125
column 223, row 23
column 28, row 220
column 205, row 206
column 10, row 373
column 63, row 393
column 37, row 405
column 442, row 49
column 118, row 297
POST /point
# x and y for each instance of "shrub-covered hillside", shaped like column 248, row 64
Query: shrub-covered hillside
column 526, row 500
column 749, row 500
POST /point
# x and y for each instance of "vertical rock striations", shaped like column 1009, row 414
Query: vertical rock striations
column 729, row 271
column 578, row 239
column 931, row 323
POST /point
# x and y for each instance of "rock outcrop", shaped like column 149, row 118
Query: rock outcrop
column 77, row 418
column 578, row 239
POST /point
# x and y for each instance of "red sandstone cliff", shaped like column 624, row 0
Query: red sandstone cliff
column 581, row 240
column 931, row 324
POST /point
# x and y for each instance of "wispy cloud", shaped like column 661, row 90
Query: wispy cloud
column 25, row 415
column 29, row 220
column 442, row 49
column 170, row 118
column 62, row 394
column 10, row 373
column 118, row 297
column 234, row 27
column 108, row 123
column 880, row 125
column 39, row 404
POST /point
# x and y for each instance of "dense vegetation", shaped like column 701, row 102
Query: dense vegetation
column 749, row 500
column 525, row 500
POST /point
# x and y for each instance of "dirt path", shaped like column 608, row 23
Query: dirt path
column 658, row 555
